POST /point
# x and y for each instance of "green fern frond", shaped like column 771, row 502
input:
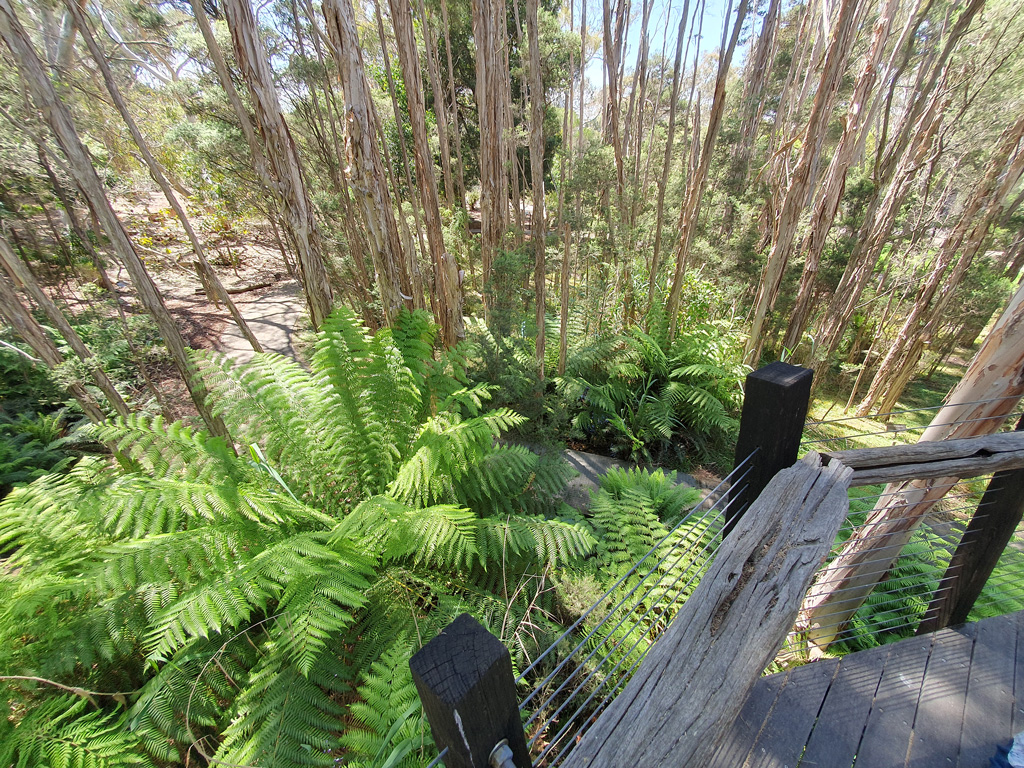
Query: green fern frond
column 442, row 536
column 387, row 717
column 63, row 733
column 283, row 717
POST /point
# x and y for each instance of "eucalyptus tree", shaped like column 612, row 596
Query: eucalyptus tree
column 492, row 78
column 447, row 293
column 282, row 156
column 79, row 164
column 366, row 170
column 694, row 194
column 802, row 178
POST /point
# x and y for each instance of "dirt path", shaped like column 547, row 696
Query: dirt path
column 275, row 316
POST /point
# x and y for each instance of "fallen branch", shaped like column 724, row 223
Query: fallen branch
column 243, row 289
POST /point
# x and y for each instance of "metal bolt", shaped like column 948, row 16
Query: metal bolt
column 501, row 755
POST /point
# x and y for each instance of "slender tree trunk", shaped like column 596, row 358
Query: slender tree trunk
column 614, row 23
column 368, row 182
column 21, row 320
column 80, row 165
column 637, row 90
column 695, row 184
column 447, row 292
column 827, row 203
column 872, row 237
column 440, row 111
column 20, row 273
column 757, row 71
column 802, row 179
column 412, row 263
column 456, row 131
column 537, row 176
column 962, row 244
column 74, row 222
column 206, row 272
column 677, row 75
column 989, row 391
column 491, row 82
column 282, row 156
column 563, row 221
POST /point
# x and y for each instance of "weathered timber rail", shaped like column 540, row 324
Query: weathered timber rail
column 692, row 683
column 968, row 457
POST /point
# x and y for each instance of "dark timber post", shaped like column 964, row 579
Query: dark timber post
column 464, row 678
column 989, row 531
column 772, row 423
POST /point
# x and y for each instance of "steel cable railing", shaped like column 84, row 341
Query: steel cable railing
column 605, row 644
column 601, row 649
column 910, row 576
column 610, row 674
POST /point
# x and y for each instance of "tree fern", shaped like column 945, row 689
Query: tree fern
column 389, row 728
column 238, row 591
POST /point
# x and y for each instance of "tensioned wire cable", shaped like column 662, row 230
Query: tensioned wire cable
column 575, row 625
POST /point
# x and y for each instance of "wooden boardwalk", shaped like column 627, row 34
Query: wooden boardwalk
column 943, row 700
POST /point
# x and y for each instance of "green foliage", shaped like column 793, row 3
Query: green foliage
column 242, row 598
column 24, row 384
column 645, row 395
column 66, row 732
column 30, row 447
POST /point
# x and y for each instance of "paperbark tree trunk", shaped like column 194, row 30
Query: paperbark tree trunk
column 795, row 200
column 898, row 161
column 440, row 110
column 491, row 82
column 695, row 184
column 80, row 166
column 962, row 244
column 538, row 220
column 411, row 265
column 447, row 292
column 755, row 77
column 614, row 24
column 826, row 205
column 659, row 215
column 20, row 273
column 563, row 221
column 456, row 131
column 283, row 157
column 206, row 272
column 366, row 172
column 989, row 391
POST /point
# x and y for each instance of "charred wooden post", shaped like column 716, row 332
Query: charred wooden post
column 989, row 531
column 465, row 681
column 772, row 424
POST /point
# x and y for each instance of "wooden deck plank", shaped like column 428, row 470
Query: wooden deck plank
column 837, row 733
column 989, row 710
column 940, row 709
column 783, row 737
column 886, row 739
column 740, row 737
column 894, row 707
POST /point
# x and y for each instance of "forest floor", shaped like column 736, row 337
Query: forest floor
column 248, row 263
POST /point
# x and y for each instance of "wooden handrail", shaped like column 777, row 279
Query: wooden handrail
column 967, row 457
